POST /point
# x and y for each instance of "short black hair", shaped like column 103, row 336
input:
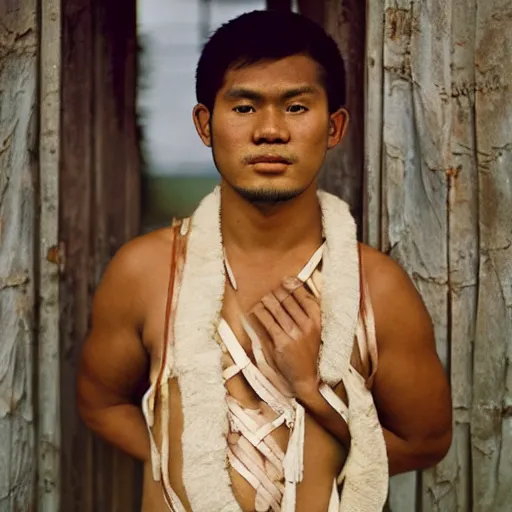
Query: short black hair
column 268, row 35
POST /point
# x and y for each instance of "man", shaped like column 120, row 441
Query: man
column 291, row 368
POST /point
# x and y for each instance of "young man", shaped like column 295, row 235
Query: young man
column 291, row 368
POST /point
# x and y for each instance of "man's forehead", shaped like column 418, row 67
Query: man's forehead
column 279, row 91
column 297, row 74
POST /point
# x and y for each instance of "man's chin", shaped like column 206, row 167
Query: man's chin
column 268, row 196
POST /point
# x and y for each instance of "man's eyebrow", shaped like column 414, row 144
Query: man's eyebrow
column 250, row 94
column 243, row 93
column 299, row 91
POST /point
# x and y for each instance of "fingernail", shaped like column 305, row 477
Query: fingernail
column 291, row 283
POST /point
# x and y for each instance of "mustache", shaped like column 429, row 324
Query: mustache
column 252, row 158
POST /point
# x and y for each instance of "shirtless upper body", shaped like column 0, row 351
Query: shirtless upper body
column 125, row 344
column 271, row 225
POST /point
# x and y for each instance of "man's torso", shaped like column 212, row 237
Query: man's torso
column 323, row 454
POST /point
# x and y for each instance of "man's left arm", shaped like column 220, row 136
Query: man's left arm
column 410, row 390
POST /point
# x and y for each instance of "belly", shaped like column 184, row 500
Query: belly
column 324, row 457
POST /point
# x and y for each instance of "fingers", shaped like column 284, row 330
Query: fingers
column 281, row 316
column 292, row 307
column 306, row 300
column 261, row 341
column 288, row 312
column 266, row 319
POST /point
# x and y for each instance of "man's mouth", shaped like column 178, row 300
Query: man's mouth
column 270, row 159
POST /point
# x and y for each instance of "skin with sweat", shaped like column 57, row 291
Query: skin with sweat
column 269, row 137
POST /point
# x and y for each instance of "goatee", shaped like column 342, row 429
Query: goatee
column 267, row 196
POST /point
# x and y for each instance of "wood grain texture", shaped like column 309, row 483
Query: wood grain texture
column 99, row 212
column 48, row 363
column 463, row 251
column 374, row 76
column 342, row 173
column 416, row 138
column 19, row 33
column 491, row 428
column 75, row 233
column 446, row 216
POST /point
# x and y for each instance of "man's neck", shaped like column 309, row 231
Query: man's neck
column 250, row 229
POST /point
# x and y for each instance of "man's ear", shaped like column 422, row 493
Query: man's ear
column 202, row 117
column 338, row 122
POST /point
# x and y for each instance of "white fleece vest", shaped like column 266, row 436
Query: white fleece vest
column 196, row 362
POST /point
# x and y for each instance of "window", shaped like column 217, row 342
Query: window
column 179, row 170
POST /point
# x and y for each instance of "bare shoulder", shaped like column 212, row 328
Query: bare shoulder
column 142, row 256
column 141, row 253
column 396, row 302
column 138, row 268
column 382, row 272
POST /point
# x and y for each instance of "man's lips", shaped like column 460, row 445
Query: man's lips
column 269, row 159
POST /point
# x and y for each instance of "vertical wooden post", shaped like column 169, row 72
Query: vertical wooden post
column 342, row 174
column 462, row 211
column 19, row 37
column 374, row 76
column 99, row 212
column 75, row 232
column 416, row 157
column 491, row 431
column 48, row 364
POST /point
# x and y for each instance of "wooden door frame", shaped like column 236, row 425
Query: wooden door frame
column 99, row 211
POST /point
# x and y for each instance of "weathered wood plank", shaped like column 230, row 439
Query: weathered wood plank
column 48, row 427
column 342, row 173
column 373, row 124
column 19, row 32
column 431, row 63
column 416, row 131
column 463, row 251
column 75, row 232
column 398, row 137
column 116, row 212
column 100, row 211
column 492, row 376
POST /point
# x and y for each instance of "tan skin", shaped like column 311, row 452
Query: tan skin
column 255, row 115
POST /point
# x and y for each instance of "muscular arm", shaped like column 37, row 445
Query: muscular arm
column 114, row 363
column 411, row 390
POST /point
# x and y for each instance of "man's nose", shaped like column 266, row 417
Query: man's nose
column 271, row 128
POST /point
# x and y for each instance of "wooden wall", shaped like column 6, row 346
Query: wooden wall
column 433, row 137
column 69, row 197
column 99, row 210
column 19, row 230
column 343, row 171
column 439, row 200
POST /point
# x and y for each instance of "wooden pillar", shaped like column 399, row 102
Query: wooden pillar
column 19, row 37
column 29, row 270
column 343, row 171
column 491, row 427
column 99, row 212
column 48, row 340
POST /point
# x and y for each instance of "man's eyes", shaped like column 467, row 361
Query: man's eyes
column 243, row 109
column 295, row 108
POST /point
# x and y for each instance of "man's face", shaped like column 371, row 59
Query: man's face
column 271, row 128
